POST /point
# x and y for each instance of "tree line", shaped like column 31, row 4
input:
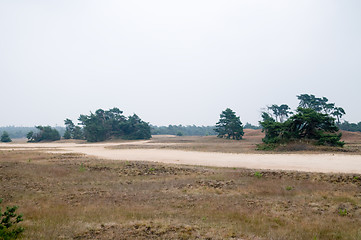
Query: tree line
column 314, row 120
column 190, row 130
column 21, row 132
column 74, row 131
column 352, row 127
column 180, row 130
column 95, row 127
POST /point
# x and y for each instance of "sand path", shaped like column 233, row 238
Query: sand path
column 342, row 163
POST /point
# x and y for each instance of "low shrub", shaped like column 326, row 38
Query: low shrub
column 342, row 212
column 258, row 174
column 266, row 147
column 8, row 223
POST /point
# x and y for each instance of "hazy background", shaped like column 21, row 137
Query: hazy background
column 175, row 62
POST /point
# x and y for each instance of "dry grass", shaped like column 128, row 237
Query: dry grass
column 204, row 144
column 249, row 144
column 71, row 196
column 353, row 141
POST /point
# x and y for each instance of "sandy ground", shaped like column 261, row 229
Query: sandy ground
column 341, row 163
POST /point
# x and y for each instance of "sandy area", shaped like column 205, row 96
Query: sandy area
column 300, row 162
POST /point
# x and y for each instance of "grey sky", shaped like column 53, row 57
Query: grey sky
column 175, row 62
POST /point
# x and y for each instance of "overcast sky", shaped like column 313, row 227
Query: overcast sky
column 175, row 62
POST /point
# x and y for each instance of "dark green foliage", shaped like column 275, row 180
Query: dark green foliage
column 338, row 112
column 103, row 125
column 5, row 137
column 190, row 130
column 317, row 104
column 29, row 136
column 179, row 134
column 69, row 127
column 78, row 133
column 330, row 140
column 310, row 122
column 44, row 133
column 273, row 130
column 320, row 105
column 8, row 221
column 135, row 128
column 266, row 147
column 67, row 135
column 352, row 127
column 47, row 133
column 72, row 131
column 229, row 125
column 280, row 112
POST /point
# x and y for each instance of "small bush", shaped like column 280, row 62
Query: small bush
column 8, row 221
column 331, row 140
column 266, row 147
column 342, row 212
column 258, row 174
column 82, row 168
column 5, row 137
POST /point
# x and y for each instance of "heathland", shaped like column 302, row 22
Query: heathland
column 66, row 194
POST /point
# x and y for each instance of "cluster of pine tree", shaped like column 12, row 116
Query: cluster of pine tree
column 106, row 124
column 312, row 121
column 43, row 133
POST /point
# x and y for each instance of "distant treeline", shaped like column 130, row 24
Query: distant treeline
column 180, row 130
column 250, row 126
column 21, row 132
column 352, row 127
column 190, row 130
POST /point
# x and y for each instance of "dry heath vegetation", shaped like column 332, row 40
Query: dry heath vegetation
column 251, row 143
column 70, row 196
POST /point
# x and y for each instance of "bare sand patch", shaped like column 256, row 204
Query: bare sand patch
column 337, row 163
column 299, row 162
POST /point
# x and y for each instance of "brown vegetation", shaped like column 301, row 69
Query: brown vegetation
column 249, row 144
column 205, row 144
column 70, row 196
